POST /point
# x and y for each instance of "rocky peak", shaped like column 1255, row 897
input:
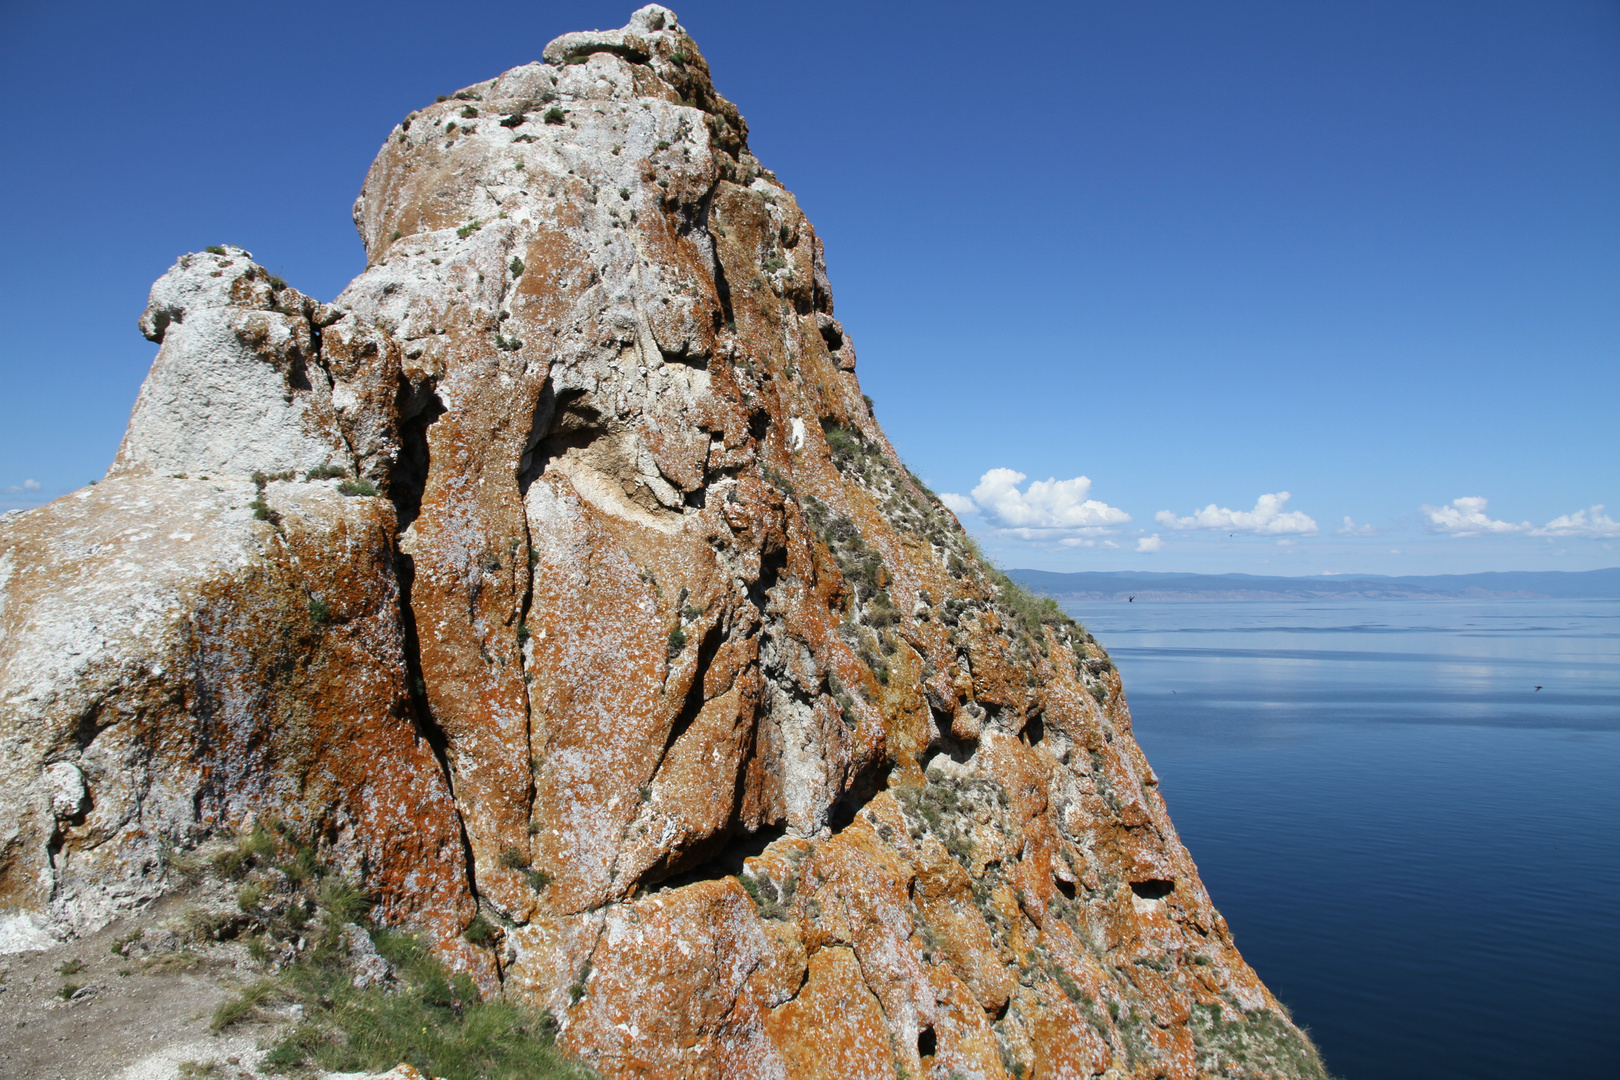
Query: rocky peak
column 558, row 577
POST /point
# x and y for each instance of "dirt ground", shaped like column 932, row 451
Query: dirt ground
column 141, row 1016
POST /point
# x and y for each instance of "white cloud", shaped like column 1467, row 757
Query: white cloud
column 1350, row 528
column 1266, row 519
column 27, row 487
column 1048, row 510
column 1592, row 523
column 1150, row 544
column 1467, row 517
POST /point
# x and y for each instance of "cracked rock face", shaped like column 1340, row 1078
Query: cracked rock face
column 558, row 572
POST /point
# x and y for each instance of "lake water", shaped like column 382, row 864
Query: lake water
column 1417, row 850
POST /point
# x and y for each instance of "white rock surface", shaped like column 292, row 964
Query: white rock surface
column 237, row 386
column 401, row 1071
column 145, row 626
column 370, row 969
column 65, row 783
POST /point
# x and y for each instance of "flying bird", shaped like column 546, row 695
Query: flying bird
column 1538, row 688
column 1132, row 600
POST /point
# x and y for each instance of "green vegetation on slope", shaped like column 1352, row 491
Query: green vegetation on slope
column 301, row 922
column 431, row 1019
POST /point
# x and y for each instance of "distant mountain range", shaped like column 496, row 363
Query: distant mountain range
column 1512, row 584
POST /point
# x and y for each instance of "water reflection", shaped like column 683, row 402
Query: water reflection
column 1417, row 849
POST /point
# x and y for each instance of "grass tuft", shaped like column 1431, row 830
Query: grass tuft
column 434, row 1020
column 256, row 847
column 479, row 932
column 244, row 1006
column 425, row 1015
column 342, row 901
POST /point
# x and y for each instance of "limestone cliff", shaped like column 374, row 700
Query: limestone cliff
column 558, row 574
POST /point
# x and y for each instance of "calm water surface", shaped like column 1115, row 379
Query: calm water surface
column 1417, row 850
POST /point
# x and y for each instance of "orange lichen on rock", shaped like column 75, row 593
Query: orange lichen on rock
column 558, row 572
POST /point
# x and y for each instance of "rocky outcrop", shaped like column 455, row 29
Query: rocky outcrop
column 172, row 664
column 559, row 573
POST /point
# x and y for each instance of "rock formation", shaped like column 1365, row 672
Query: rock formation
column 558, row 574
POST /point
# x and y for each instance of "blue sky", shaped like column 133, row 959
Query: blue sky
column 1177, row 258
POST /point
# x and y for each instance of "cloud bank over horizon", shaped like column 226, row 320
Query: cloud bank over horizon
column 1011, row 514
column 1268, row 518
column 1591, row 523
column 1468, row 516
column 1049, row 511
column 23, row 496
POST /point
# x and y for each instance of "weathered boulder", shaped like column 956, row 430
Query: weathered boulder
column 650, row 650
column 171, row 664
